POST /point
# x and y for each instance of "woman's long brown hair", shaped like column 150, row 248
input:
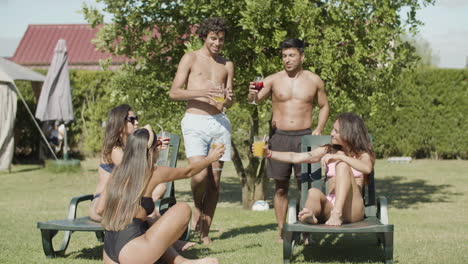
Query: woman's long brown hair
column 129, row 180
column 354, row 132
column 115, row 128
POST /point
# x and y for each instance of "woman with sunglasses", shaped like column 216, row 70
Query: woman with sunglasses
column 121, row 122
column 127, row 203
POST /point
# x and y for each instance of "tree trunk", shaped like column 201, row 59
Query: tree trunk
column 253, row 179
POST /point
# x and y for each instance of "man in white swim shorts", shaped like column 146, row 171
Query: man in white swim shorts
column 208, row 79
column 201, row 131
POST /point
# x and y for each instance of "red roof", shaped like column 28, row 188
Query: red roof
column 38, row 43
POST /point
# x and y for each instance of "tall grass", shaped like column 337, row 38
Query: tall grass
column 428, row 206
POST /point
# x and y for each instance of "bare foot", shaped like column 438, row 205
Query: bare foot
column 180, row 245
column 206, row 240
column 280, row 235
column 201, row 261
column 307, row 216
column 335, row 219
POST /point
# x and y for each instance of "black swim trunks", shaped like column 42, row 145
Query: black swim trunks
column 289, row 141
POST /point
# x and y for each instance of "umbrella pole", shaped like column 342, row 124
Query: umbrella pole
column 35, row 122
column 65, row 144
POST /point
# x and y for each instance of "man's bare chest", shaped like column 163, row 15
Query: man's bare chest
column 285, row 91
column 208, row 70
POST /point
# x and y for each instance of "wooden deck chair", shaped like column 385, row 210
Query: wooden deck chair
column 376, row 215
column 74, row 224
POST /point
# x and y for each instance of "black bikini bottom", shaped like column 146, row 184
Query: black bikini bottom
column 114, row 241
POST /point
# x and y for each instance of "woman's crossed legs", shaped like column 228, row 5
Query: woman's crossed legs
column 348, row 207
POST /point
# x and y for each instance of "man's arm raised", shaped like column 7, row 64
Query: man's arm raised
column 255, row 96
column 322, row 102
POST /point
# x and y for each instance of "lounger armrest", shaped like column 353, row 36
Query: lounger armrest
column 292, row 212
column 160, row 203
column 74, row 204
column 382, row 209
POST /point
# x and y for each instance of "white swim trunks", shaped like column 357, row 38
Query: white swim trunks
column 200, row 130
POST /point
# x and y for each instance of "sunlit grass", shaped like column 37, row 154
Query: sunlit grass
column 427, row 206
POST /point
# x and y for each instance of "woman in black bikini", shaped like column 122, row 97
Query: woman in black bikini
column 126, row 203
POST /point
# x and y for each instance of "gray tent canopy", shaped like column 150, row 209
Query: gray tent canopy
column 9, row 73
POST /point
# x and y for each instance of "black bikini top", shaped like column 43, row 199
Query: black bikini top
column 147, row 204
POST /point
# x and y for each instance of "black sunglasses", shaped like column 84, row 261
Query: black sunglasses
column 132, row 119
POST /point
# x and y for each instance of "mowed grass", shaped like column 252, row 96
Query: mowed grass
column 428, row 206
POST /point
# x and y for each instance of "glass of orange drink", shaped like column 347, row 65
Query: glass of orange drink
column 259, row 146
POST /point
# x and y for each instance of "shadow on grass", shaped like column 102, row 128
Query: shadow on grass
column 247, row 230
column 343, row 248
column 230, row 191
column 197, row 252
column 201, row 252
column 21, row 170
column 403, row 194
column 88, row 253
column 95, row 253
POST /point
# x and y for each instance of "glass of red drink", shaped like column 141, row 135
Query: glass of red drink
column 258, row 81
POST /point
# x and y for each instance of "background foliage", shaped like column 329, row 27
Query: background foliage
column 425, row 117
column 353, row 45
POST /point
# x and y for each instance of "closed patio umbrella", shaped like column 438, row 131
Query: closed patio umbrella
column 55, row 100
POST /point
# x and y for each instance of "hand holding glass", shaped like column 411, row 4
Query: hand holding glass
column 163, row 145
column 164, row 138
column 218, row 141
column 258, row 82
column 259, row 146
column 258, row 85
column 220, row 94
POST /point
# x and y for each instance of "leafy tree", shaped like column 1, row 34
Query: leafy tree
column 353, row 45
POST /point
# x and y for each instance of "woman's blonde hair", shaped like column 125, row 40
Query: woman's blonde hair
column 129, row 180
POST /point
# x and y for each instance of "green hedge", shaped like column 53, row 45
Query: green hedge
column 425, row 116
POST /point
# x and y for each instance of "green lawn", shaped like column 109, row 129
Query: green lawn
column 428, row 206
